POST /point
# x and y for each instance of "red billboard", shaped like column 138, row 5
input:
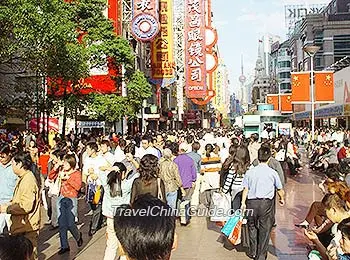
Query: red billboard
column 100, row 80
column 195, row 54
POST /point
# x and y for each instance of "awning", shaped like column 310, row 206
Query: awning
column 14, row 121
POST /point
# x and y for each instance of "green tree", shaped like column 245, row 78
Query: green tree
column 114, row 107
column 61, row 40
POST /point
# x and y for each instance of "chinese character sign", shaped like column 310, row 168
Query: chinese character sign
column 145, row 23
column 162, row 47
column 195, row 49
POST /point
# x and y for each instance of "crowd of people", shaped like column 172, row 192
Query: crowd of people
column 163, row 170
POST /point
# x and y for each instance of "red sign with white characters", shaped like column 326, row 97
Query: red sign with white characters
column 195, row 54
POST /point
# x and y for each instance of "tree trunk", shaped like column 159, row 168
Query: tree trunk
column 64, row 112
column 76, row 120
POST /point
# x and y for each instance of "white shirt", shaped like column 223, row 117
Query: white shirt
column 95, row 163
column 110, row 158
column 119, row 154
column 150, row 150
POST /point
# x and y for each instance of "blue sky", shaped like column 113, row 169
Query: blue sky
column 240, row 24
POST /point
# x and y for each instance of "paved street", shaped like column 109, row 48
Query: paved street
column 201, row 240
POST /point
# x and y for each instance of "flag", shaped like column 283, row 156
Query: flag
column 272, row 100
column 324, row 86
column 286, row 103
column 300, row 87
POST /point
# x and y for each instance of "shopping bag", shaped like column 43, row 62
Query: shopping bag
column 281, row 155
column 221, row 206
column 54, row 187
column 230, row 225
column 97, row 196
column 235, row 236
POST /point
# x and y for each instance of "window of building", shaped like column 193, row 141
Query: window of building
column 284, row 75
column 341, row 46
column 284, row 64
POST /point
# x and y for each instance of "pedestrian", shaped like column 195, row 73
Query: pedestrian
column 8, row 181
column 260, row 184
column 117, row 191
column 149, row 180
column 23, row 248
column 25, row 204
column 169, row 173
column 146, row 236
column 187, row 170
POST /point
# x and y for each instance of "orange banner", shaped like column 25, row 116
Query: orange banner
column 286, row 103
column 324, row 86
column 300, row 87
column 162, row 47
column 272, row 100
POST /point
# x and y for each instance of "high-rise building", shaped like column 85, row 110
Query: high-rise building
column 280, row 67
column 265, row 50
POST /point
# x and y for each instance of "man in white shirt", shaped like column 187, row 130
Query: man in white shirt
column 147, row 148
column 106, row 152
column 93, row 172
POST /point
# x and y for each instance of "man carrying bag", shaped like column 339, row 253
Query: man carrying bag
column 259, row 185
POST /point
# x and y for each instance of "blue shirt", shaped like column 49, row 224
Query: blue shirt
column 197, row 160
column 8, row 181
column 261, row 181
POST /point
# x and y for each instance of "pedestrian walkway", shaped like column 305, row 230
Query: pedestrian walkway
column 201, row 240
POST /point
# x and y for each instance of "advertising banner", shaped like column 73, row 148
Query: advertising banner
column 163, row 46
column 195, row 54
column 145, row 22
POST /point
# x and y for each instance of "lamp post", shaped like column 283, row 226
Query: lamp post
column 311, row 50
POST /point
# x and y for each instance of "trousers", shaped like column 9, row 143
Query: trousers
column 112, row 241
column 260, row 225
column 66, row 221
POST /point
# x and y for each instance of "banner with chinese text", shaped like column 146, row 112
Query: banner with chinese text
column 195, row 49
column 145, row 22
column 162, row 47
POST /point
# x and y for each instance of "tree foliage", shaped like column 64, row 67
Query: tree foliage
column 64, row 40
column 114, row 107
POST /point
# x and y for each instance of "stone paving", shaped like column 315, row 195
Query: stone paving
column 201, row 240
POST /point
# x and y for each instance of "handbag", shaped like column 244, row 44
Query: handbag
column 281, row 155
column 221, row 205
column 54, row 187
column 159, row 195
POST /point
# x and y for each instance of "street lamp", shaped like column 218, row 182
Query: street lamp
column 311, row 50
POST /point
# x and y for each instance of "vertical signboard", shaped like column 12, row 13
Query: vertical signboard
column 145, row 22
column 162, row 47
column 195, row 55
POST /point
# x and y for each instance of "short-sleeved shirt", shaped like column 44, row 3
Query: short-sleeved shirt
column 261, row 181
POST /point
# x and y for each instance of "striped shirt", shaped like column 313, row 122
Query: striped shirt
column 210, row 168
column 233, row 181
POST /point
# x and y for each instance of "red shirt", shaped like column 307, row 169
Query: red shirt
column 71, row 187
column 43, row 162
column 342, row 153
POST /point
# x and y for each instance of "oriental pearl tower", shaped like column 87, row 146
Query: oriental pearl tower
column 242, row 80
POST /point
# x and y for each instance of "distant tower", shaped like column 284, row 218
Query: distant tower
column 242, row 80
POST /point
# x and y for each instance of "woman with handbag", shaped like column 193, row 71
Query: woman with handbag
column 71, row 181
column 235, row 167
column 53, row 183
column 117, row 192
column 149, row 181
